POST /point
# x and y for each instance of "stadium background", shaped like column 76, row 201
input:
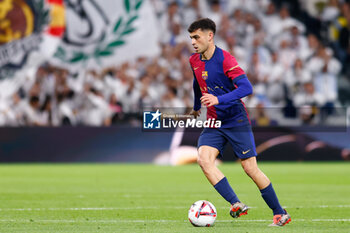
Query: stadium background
column 97, row 65
column 75, row 77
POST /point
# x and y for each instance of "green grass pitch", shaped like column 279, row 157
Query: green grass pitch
column 148, row 198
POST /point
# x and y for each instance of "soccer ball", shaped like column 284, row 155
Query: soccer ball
column 202, row 214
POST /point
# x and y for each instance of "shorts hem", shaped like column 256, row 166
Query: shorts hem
column 220, row 151
column 246, row 157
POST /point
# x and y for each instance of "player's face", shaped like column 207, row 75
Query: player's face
column 200, row 40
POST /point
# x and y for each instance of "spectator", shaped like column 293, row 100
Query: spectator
column 130, row 102
column 191, row 12
column 312, row 47
column 270, row 18
column 32, row 114
column 215, row 13
column 116, row 109
column 239, row 25
column 331, row 11
column 258, row 73
column 301, row 70
column 97, row 111
column 275, row 91
column 168, row 20
column 323, row 60
column 262, row 52
column 340, row 34
column 287, row 54
column 261, row 118
column 308, row 96
column 296, row 77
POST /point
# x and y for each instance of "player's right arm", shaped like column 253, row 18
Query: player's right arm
column 197, row 98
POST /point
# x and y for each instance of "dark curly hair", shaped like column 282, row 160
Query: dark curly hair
column 203, row 24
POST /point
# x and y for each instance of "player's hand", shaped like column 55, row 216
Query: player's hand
column 195, row 113
column 209, row 100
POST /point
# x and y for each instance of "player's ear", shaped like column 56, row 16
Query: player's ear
column 211, row 35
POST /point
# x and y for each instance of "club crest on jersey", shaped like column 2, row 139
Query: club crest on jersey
column 205, row 75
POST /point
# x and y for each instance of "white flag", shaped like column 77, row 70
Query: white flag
column 102, row 33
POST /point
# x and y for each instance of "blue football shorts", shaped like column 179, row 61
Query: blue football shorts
column 241, row 139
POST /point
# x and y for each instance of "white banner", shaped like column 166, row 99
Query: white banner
column 102, row 33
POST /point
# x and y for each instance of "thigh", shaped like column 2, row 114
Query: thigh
column 242, row 141
column 212, row 138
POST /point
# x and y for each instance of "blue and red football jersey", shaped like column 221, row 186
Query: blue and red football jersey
column 218, row 76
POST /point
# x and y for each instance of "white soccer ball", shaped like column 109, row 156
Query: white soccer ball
column 202, row 214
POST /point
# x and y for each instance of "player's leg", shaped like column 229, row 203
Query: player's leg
column 206, row 160
column 268, row 193
column 242, row 141
column 210, row 145
column 250, row 167
column 281, row 217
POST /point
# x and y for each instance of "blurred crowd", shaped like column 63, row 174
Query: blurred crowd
column 295, row 53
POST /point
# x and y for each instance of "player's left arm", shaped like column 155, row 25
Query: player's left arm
column 243, row 88
column 239, row 79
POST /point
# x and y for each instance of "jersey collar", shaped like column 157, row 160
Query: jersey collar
column 200, row 55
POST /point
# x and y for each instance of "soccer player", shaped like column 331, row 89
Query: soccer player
column 219, row 83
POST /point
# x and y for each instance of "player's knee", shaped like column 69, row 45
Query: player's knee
column 204, row 161
column 250, row 166
column 250, row 170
